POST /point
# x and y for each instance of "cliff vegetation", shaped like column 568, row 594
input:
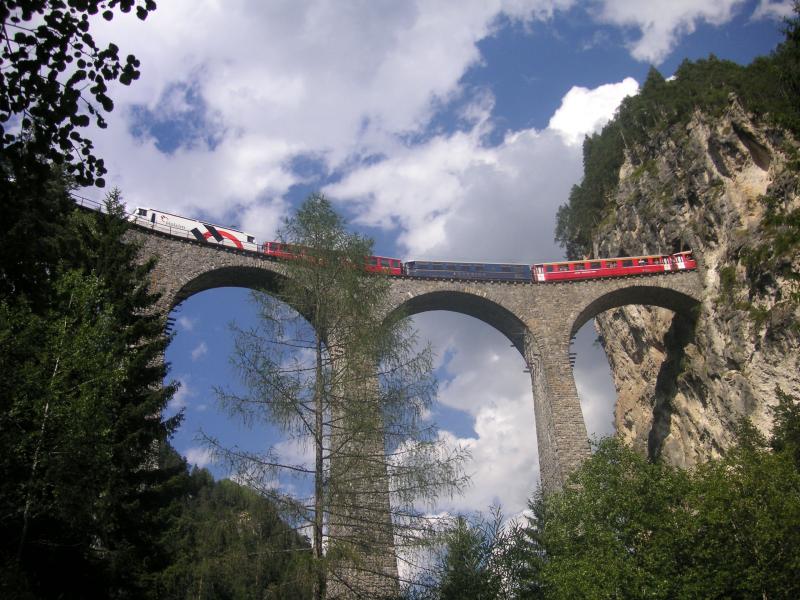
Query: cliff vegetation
column 707, row 161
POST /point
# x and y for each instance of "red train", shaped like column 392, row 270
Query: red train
column 613, row 267
column 372, row 264
column 573, row 270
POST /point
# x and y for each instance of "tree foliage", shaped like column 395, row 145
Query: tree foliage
column 478, row 557
column 54, row 81
column 626, row 528
column 227, row 541
column 79, row 419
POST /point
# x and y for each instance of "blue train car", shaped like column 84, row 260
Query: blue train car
column 480, row 271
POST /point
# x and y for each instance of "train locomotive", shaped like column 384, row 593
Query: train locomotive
column 575, row 270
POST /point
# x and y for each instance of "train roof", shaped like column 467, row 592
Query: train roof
column 163, row 212
column 585, row 260
column 466, row 262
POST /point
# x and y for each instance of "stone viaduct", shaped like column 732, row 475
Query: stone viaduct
column 538, row 319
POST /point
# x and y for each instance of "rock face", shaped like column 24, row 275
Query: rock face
column 682, row 387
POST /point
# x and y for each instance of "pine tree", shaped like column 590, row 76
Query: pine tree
column 80, row 421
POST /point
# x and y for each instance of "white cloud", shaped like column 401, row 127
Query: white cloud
column 198, row 456
column 181, row 398
column 186, row 323
column 199, row 351
column 584, row 111
column 246, row 86
column 454, row 198
column 773, row 9
column 489, row 384
column 661, row 23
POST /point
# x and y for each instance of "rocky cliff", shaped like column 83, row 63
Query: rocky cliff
column 726, row 187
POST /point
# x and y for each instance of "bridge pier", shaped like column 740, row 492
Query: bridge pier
column 560, row 429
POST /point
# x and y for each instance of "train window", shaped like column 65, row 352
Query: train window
column 642, row 261
column 594, row 265
column 627, row 263
column 251, row 239
column 549, row 268
column 611, row 264
column 479, row 267
column 385, row 263
column 580, row 267
column 563, row 267
column 142, row 212
column 373, row 261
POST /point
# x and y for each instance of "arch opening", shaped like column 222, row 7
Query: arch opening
column 646, row 347
column 662, row 297
column 471, row 305
column 253, row 278
column 485, row 403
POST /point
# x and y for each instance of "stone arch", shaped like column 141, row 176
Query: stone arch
column 677, row 301
column 251, row 277
column 484, row 309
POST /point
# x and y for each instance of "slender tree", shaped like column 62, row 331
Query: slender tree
column 352, row 387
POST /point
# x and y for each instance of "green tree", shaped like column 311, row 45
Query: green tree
column 627, row 528
column 327, row 368
column 615, row 531
column 80, row 497
column 479, row 558
column 227, row 541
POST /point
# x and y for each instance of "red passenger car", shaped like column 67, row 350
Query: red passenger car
column 372, row 264
column 576, row 270
column 281, row 250
column 381, row 264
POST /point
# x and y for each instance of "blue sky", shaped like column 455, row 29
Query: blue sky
column 444, row 129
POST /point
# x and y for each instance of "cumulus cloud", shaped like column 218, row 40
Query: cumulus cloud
column 181, row 398
column 199, row 351
column 231, row 92
column 199, row 456
column 186, row 323
column 661, row 23
column 454, row 198
column 774, row 9
column 584, row 111
column 486, row 380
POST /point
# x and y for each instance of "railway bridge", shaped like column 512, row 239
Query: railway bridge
column 538, row 319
